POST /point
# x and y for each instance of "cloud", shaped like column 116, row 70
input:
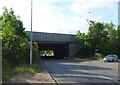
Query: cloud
column 83, row 6
column 49, row 18
column 101, row 10
column 66, row 18
column 20, row 7
column 46, row 18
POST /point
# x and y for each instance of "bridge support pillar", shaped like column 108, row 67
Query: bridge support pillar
column 73, row 49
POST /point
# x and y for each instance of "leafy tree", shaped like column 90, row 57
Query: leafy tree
column 118, row 41
column 35, row 55
column 101, row 36
column 15, row 41
column 112, row 38
column 84, row 45
column 98, row 36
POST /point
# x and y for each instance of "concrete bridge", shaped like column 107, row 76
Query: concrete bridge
column 63, row 45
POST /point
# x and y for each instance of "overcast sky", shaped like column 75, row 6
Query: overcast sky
column 63, row 16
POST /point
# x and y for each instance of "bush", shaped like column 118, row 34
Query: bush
column 79, row 54
column 98, row 56
column 24, row 69
column 6, row 70
column 27, row 69
column 36, row 55
column 16, row 46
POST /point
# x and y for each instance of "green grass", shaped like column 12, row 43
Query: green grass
column 77, row 59
column 118, row 59
column 98, row 56
column 21, row 70
column 7, row 73
column 24, row 69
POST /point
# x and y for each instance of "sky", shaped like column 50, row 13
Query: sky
column 63, row 16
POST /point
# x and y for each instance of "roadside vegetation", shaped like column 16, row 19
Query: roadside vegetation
column 102, row 39
column 10, row 71
column 15, row 47
column 76, row 59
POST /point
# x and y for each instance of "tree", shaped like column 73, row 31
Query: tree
column 112, row 38
column 14, row 38
column 101, row 36
column 98, row 36
column 118, row 41
column 84, row 45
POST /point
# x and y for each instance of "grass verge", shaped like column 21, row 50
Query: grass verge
column 77, row 59
column 9, row 72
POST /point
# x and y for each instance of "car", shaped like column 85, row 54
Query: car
column 110, row 58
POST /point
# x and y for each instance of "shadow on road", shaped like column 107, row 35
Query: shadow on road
column 67, row 71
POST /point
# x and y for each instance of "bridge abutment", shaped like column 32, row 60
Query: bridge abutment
column 73, row 49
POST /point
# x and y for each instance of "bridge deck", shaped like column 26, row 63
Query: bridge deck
column 53, row 37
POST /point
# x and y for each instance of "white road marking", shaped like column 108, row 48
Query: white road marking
column 81, row 70
column 98, row 75
column 110, row 79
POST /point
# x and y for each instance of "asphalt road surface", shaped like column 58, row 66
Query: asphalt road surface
column 64, row 71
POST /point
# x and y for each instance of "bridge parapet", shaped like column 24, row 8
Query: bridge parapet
column 54, row 37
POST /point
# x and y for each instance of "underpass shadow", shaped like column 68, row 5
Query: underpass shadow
column 65, row 69
column 78, row 69
column 83, row 79
column 70, row 65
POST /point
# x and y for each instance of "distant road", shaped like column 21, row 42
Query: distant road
column 82, row 72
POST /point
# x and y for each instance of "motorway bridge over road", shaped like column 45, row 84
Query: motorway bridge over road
column 63, row 45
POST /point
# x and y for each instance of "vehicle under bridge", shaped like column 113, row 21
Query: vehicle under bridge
column 63, row 45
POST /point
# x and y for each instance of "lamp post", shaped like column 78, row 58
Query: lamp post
column 31, row 38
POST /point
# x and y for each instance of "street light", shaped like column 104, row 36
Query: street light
column 31, row 38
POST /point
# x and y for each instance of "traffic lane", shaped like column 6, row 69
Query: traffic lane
column 113, row 73
column 74, row 72
column 109, row 69
column 96, row 68
column 63, row 73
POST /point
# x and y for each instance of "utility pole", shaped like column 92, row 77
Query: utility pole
column 31, row 38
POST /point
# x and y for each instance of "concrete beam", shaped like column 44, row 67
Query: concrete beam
column 53, row 37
